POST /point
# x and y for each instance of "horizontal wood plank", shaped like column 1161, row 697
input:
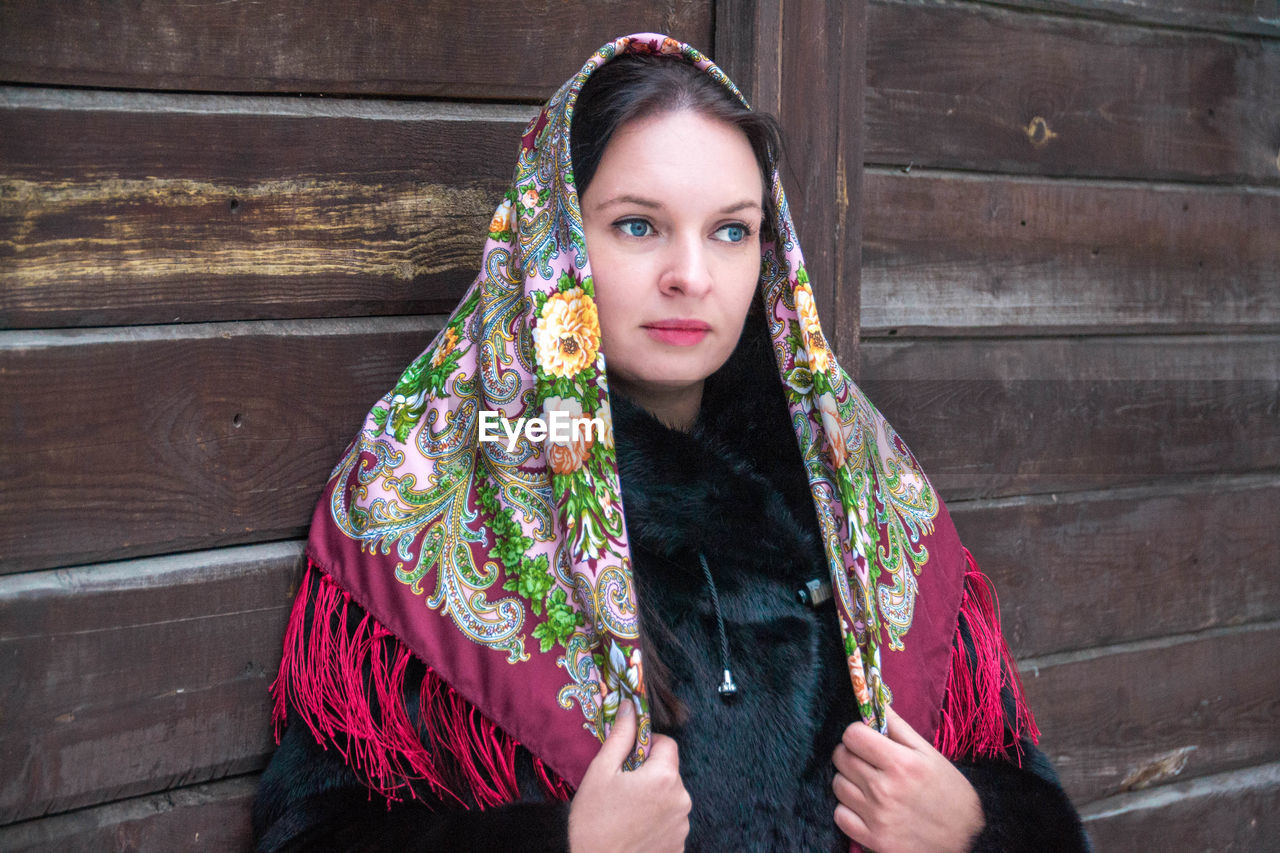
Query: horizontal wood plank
column 1097, row 568
column 135, row 677
column 129, row 209
column 156, row 439
column 211, row 817
column 994, row 418
column 1131, row 717
column 1244, row 17
column 952, row 254
column 483, row 49
column 1237, row 811
column 980, row 87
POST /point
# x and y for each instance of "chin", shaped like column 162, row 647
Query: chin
column 665, row 367
column 678, row 372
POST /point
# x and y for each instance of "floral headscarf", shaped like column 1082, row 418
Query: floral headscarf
column 504, row 565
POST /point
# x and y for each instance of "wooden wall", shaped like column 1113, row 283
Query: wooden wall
column 1070, row 307
column 224, row 230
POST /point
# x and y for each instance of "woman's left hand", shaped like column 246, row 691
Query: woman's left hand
column 898, row 793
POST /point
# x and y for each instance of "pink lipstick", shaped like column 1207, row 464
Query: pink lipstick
column 677, row 332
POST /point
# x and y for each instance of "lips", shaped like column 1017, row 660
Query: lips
column 678, row 332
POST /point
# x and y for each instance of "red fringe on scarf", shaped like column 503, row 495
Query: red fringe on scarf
column 975, row 721
column 347, row 683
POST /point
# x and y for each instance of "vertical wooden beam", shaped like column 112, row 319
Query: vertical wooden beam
column 805, row 62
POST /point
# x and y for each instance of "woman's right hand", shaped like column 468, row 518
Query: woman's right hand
column 646, row 809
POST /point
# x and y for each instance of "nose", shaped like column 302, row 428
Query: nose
column 686, row 270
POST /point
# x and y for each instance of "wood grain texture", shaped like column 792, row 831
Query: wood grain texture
column 822, row 167
column 992, row 418
column 486, row 49
column 1257, row 17
column 139, row 676
column 126, row 208
column 212, row 817
column 980, row 87
column 1236, row 812
column 954, row 254
column 1130, row 717
column 1096, row 568
column 157, row 439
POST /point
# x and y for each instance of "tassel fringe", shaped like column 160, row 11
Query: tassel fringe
column 347, row 683
column 975, row 718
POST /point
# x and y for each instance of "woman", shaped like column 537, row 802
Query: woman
column 481, row 638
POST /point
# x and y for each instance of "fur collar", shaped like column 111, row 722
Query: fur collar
column 735, row 481
column 734, row 490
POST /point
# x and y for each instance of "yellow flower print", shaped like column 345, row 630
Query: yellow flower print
column 447, row 345
column 503, row 218
column 567, row 336
column 814, row 341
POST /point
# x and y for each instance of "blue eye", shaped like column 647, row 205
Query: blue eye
column 635, row 227
column 735, row 233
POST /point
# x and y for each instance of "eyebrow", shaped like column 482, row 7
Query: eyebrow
column 641, row 201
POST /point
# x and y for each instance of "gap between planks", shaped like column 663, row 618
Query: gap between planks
column 1107, row 18
column 23, row 339
column 142, row 572
column 1189, row 484
column 915, row 170
column 1233, row 781
column 370, row 109
column 55, row 826
column 1033, row 665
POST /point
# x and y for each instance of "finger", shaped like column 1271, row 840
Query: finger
column 848, row 822
column 848, row 792
column 900, row 731
column 869, row 745
column 664, row 749
column 854, row 769
column 622, row 737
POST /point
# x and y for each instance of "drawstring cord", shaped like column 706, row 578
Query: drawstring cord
column 726, row 687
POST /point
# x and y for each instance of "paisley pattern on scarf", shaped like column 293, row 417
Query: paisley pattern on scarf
column 521, row 544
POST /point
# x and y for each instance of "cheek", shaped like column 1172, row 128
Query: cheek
column 617, row 304
column 742, row 280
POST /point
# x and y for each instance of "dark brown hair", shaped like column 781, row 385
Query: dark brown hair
column 638, row 85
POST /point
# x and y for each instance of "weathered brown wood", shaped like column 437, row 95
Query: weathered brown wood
column 822, row 171
column 979, row 87
column 1095, row 568
column 991, row 418
column 1258, row 17
column 486, row 49
column 955, row 254
column 211, row 817
column 129, row 208
column 1237, row 811
column 139, row 676
column 157, row 439
column 1129, row 717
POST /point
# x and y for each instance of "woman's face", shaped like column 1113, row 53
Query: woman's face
column 672, row 219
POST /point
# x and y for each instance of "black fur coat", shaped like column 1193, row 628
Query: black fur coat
column 758, row 767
